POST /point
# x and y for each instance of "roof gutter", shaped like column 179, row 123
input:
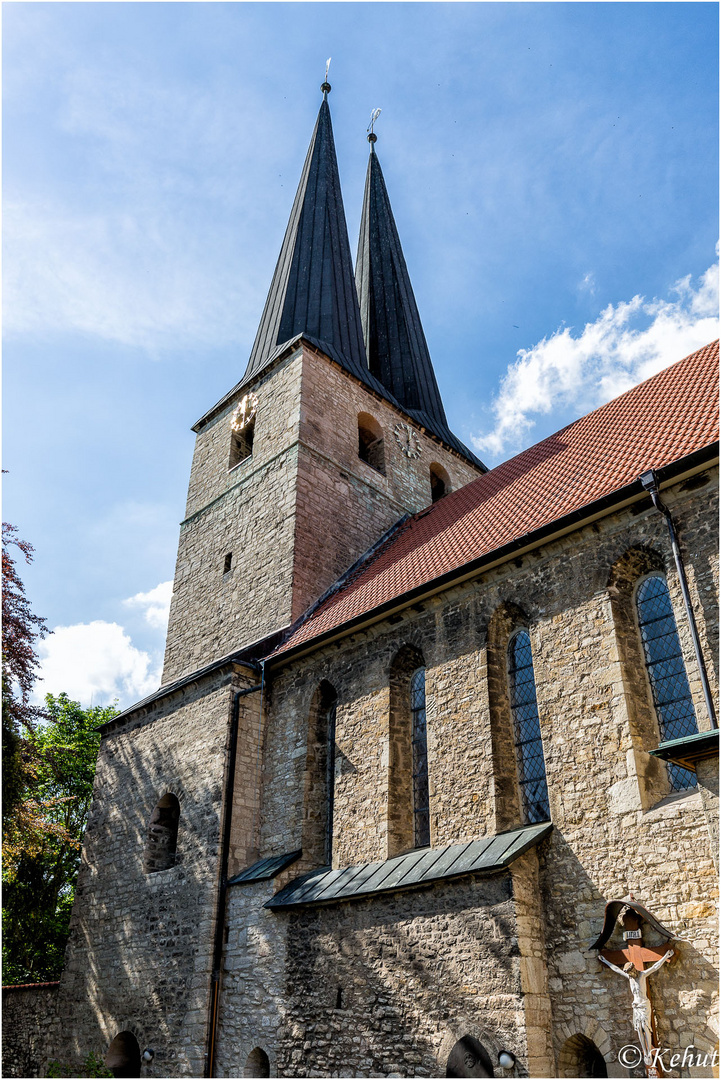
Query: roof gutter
column 615, row 500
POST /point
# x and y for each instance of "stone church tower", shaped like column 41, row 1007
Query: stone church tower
column 344, row 431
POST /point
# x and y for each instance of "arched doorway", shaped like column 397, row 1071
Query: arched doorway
column 123, row 1056
column 581, row 1057
column 257, row 1063
column 468, row 1058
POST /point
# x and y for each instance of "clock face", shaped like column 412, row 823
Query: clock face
column 408, row 441
column 243, row 413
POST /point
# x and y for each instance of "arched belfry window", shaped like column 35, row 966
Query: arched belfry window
column 527, row 730
column 440, row 481
column 666, row 670
column 370, row 442
column 162, row 835
column 421, row 818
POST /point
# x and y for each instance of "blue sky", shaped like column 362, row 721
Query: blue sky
column 553, row 173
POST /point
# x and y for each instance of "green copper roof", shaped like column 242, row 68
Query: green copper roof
column 265, row 869
column 420, row 867
column 689, row 749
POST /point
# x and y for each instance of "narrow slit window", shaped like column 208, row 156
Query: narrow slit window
column 421, row 815
column 666, row 670
column 527, row 730
column 330, row 778
column 228, row 563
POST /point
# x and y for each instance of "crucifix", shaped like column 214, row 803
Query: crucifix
column 631, row 963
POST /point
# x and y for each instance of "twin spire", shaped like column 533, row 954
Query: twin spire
column 370, row 325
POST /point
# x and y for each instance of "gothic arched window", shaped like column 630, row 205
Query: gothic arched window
column 527, row 730
column 317, row 836
column 421, row 818
column 666, row 670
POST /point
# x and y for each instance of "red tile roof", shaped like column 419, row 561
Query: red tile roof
column 653, row 425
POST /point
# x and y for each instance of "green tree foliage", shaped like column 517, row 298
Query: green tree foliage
column 39, row 884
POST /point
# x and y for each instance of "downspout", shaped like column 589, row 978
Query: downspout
column 223, row 882
column 650, row 483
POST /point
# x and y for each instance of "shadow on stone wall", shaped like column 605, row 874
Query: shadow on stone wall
column 375, row 985
column 138, row 956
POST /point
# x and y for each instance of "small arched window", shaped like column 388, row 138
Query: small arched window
column 257, row 1063
column 162, row 835
column 666, row 671
column 440, row 481
column 370, row 442
column 123, row 1056
column 469, row 1058
column 581, row 1057
column 421, row 817
column 527, row 730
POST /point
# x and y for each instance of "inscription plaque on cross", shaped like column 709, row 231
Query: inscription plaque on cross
column 634, row 951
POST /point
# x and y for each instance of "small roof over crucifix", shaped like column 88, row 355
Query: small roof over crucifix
column 634, row 951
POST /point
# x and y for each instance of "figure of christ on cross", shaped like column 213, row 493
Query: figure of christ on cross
column 633, row 959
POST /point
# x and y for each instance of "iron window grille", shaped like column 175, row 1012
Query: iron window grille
column 527, row 730
column 666, row 670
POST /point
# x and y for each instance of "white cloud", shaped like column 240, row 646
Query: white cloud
column 155, row 604
column 95, row 662
column 139, row 279
column 608, row 357
column 588, row 283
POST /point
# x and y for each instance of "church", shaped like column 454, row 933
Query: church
column 430, row 785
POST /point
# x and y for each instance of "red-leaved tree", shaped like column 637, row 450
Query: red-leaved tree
column 25, row 820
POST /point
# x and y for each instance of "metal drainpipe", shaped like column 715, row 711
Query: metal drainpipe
column 650, row 483
column 223, row 884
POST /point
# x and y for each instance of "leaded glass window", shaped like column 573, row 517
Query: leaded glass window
column 527, row 730
column 421, row 818
column 666, row 670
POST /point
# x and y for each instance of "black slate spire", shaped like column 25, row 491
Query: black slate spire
column 313, row 292
column 395, row 343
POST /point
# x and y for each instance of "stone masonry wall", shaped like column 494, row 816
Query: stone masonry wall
column 373, row 987
column 295, row 514
column 139, row 955
column 29, row 1015
column 608, row 839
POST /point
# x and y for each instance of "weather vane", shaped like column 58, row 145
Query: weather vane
column 371, row 134
column 326, row 85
